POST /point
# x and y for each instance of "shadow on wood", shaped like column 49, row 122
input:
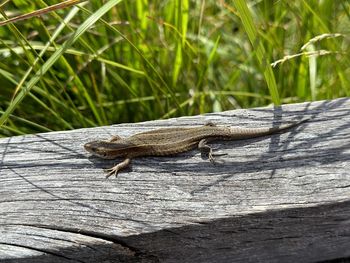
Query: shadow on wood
column 281, row 198
column 290, row 235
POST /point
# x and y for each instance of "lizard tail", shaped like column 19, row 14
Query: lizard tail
column 246, row 133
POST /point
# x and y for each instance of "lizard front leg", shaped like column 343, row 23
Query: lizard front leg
column 115, row 138
column 115, row 169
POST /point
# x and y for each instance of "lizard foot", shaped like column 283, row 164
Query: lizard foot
column 112, row 171
column 206, row 149
column 115, row 169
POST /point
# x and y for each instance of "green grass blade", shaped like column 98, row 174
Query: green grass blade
column 48, row 64
column 184, row 20
column 46, row 47
column 247, row 21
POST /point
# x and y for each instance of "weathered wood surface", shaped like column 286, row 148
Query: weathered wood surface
column 281, row 198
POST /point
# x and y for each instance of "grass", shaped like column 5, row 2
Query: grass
column 105, row 62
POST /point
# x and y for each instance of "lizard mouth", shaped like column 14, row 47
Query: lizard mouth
column 88, row 147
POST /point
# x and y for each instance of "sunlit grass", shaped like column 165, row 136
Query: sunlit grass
column 105, row 62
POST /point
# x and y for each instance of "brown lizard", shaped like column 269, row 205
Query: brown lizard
column 169, row 141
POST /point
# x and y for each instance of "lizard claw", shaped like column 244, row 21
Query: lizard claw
column 112, row 171
column 210, row 156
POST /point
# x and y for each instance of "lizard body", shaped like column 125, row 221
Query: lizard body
column 169, row 141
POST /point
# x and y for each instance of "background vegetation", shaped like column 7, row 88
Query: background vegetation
column 104, row 62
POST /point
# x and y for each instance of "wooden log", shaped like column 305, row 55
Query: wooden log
column 280, row 198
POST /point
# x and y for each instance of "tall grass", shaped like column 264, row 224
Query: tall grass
column 105, row 62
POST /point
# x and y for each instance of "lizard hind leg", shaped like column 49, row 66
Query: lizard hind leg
column 206, row 149
column 115, row 169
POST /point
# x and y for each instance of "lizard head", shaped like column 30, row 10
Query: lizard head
column 107, row 149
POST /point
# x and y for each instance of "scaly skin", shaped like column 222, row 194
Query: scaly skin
column 169, row 141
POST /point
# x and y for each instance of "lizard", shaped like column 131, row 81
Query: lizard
column 171, row 141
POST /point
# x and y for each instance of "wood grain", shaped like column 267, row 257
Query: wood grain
column 280, row 198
